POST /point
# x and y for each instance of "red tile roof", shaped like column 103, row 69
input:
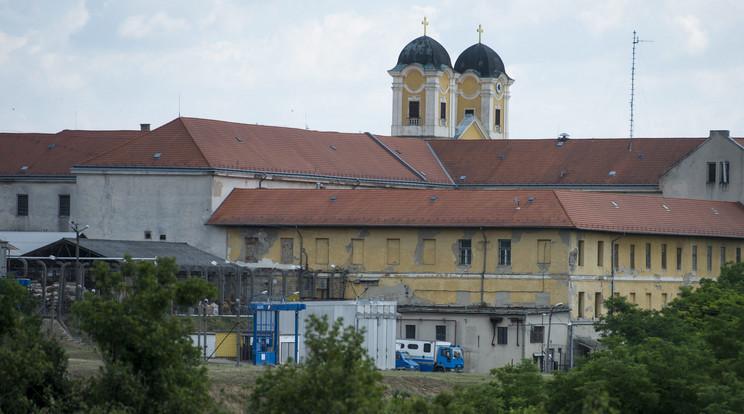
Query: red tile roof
column 656, row 215
column 480, row 208
column 203, row 143
column 575, row 162
column 54, row 154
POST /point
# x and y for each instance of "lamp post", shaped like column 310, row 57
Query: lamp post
column 78, row 274
column 549, row 366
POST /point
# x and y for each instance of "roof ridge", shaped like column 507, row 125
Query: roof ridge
column 563, row 207
column 391, row 152
column 198, row 146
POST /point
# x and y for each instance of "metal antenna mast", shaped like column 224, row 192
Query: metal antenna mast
column 636, row 40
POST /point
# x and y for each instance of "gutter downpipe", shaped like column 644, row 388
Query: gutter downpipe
column 483, row 273
column 612, row 262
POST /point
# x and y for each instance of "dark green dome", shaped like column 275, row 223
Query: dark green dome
column 426, row 52
column 482, row 60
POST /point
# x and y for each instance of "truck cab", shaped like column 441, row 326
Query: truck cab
column 404, row 361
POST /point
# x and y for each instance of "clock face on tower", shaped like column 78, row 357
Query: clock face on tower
column 498, row 87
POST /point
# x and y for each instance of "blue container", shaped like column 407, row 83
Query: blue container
column 24, row 282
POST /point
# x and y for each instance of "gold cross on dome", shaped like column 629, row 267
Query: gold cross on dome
column 480, row 33
column 425, row 23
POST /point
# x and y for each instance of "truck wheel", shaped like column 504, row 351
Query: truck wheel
column 438, row 369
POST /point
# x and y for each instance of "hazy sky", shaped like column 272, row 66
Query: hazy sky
column 116, row 64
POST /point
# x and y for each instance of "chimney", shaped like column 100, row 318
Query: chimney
column 144, row 127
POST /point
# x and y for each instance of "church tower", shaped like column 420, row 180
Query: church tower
column 483, row 89
column 423, row 90
column 431, row 99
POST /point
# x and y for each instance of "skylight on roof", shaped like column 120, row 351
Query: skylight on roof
column 612, row 173
column 433, row 198
column 463, row 177
column 157, row 155
column 51, row 146
column 333, row 148
column 24, row 168
column 334, row 198
column 640, row 155
column 614, row 204
column 239, row 139
column 665, row 207
column 501, row 156
column 714, row 210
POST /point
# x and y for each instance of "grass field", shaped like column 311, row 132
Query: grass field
column 231, row 384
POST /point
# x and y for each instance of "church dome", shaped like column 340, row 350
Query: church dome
column 482, row 60
column 426, row 52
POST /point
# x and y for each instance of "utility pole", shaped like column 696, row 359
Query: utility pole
column 78, row 274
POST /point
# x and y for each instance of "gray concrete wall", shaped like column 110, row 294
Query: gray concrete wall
column 43, row 206
column 475, row 334
column 688, row 178
column 123, row 206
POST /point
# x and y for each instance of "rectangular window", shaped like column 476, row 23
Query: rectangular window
column 502, row 335
column 679, row 258
column 648, row 255
column 648, row 301
column 631, row 297
column 287, row 251
column 22, row 208
column 632, row 256
column 443, row 110
column 724, row 172
column 505, row 252
column 497, row 117
column 321, row 251
column 600, row 253
column 466, row 252
column 251, row 249
column 64, row 205
column 430, row 252
column 581, row 305
column 723, row 256
column 663, row 257
column 581, row 253
column 536, row 334
column 710, row 258
column 597, row 305
column 441, row 333
column 694, row 257
column 470, row 112
column 543, row 251
column 393, row 251
column 711, row 172
column 663, row 299
column 616, row 255
column 738, row 255
column 413, row 112
column 410, row 331
column 357, row 251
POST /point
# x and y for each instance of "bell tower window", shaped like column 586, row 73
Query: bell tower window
column 470, row 112
column 413, row 113
column 442, row 113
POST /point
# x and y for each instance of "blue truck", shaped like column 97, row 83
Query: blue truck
column 436, row 356
column 404, row 361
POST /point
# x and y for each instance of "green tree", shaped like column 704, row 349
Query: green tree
column 32, row 366
column 336, row 377
column 150, row 364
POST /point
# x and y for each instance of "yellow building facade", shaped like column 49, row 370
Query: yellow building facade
column 492, row 267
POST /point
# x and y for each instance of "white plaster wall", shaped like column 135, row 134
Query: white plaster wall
column 688, row 178
column 122, row 206
column 43, row 206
